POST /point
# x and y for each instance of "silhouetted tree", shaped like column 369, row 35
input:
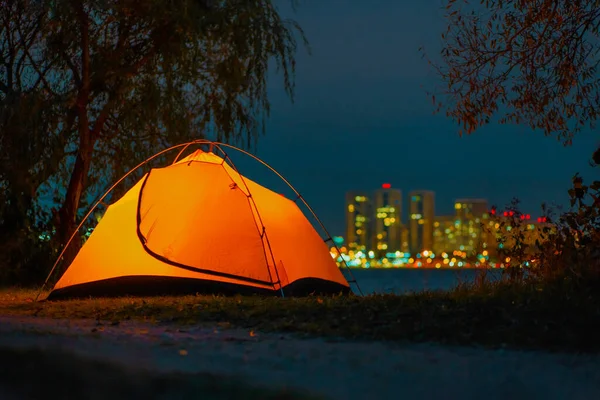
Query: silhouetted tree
column 32, row 137
column 126, row 77
column 529, row 62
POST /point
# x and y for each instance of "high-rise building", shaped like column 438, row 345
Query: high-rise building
column 358, row 221
column 444, row 234
column 470, row 215
column 405, row 243
column 387, row 220
column 421, row 215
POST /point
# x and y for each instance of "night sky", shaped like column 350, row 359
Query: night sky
column 361, row 117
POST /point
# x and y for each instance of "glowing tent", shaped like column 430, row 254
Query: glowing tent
column 199, row 226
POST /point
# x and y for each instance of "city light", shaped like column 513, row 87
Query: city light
column 378, row 235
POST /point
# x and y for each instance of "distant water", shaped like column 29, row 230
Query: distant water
column 404, row 280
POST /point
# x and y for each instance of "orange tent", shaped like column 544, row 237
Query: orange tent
column 199, row 226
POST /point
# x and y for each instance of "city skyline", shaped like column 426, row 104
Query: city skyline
column 405, row 213
column 375, row 225
column 361, row 116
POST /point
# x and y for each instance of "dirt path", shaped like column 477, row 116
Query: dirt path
column 338, row 370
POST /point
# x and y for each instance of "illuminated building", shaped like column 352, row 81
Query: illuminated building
column 387, row 220
column 489, row 235
column 470, row 215
column 358, row 213
column 421, row 215
column 338, row 240
column 444, row 234
column 405, row 242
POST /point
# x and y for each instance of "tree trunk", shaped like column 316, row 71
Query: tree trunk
column 68, row 211
column 83, row 162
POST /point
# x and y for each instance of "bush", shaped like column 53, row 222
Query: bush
column 26, row 259
column 563, row 248
column 25, row 244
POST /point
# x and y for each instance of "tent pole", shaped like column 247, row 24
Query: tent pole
column 180, row 153
column 303, row 201
column 98, row 202
column 263, row 230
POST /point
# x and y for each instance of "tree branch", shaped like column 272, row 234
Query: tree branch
column 42, row 77
column 72, row 67
column 11, row 56
column 27, row 54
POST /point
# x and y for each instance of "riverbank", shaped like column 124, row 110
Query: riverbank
column 82, row 355
column 549, row 319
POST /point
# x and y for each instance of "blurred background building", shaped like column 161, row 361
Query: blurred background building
column 444, row 233
column 377, row 234
column 471, row 214
column 421, row 219
column 358, row 221
column 387, row 220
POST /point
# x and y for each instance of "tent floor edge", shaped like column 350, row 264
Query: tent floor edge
column 153, row 286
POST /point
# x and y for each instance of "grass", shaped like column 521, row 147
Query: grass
column 555, row 318
column 40, row 374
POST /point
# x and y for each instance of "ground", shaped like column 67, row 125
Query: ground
column 162, row 360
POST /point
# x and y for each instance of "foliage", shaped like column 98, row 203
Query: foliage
column 31, row 143
column 530, row 62
column 565, row 247
column 576, row 242
column 514, row 251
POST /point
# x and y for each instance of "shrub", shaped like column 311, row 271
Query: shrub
column 562, row 248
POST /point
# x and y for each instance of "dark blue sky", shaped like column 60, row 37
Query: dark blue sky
column 362, row 117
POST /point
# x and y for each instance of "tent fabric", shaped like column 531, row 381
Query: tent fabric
column 200, row 226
